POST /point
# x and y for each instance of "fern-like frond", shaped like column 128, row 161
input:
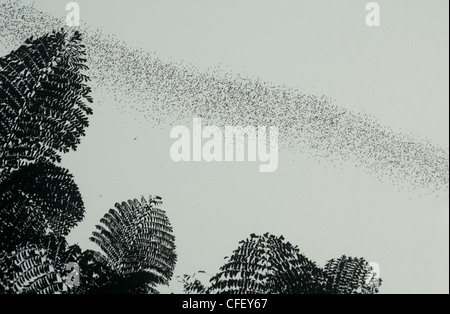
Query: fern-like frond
column 267, row 265
column 36, row 200
column 27, row 270
column 348, row 275
column 42, row 100
column 136, row 237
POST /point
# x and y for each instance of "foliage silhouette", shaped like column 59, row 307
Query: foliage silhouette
column 141, row 255
column 42, row 95
column 26, row 269
column 136, row 238
column 43, row 113
column 35, row 201
column 347, row 275
column 266, row 264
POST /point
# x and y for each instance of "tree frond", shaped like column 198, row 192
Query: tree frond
column 266, row 265
column 37, row 200
column 28, row 270
column 348, row 275
column 137, row 238
column 42, row 94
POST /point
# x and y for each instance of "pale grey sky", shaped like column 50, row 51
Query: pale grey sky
column 397, row 73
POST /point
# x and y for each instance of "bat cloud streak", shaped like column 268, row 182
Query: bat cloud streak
column 161, row 91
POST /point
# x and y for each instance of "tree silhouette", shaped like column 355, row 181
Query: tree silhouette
column 347, row 275
column 42, row 114
column 266, row 264
column 35, row 201
column 42, row 94
column 139, row 254
column 137, row 240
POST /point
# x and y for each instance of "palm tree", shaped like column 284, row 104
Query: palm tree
column 266, row 264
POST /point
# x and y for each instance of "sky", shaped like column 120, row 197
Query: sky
column 396, row 73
